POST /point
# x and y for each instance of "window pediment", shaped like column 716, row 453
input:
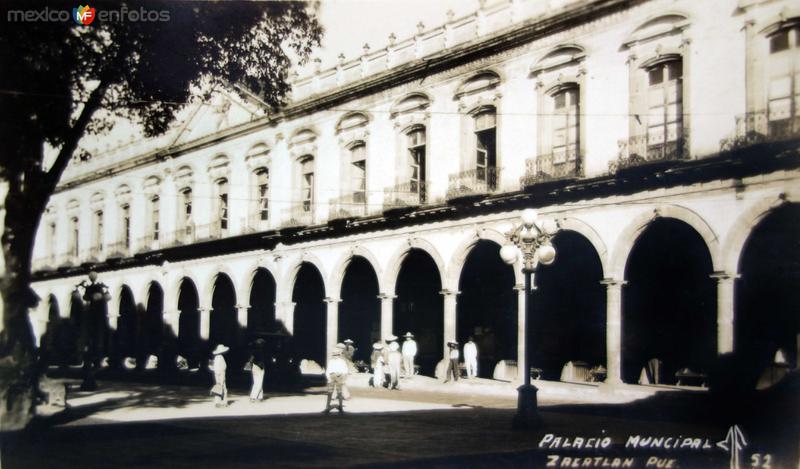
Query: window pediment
column 560, row 57
column 352, row 121
column 151, row 185
column 661, row 26
column 411, row 103
column 483, row 81
column 257, row 156
column 73, row 205
column 97, row 200
column 123, row 194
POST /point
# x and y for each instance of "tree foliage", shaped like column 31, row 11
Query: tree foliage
column 56, row 75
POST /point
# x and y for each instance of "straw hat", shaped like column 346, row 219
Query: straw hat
column 340, row 346
column 377, row 346
column 391, row 337
column 452, row 342
column 409, row 335
column 220, row 349
column 348, row 341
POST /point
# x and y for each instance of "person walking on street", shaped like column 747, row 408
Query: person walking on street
column 377, row 364
column 336, row 373
column 349, row 350
column 409, row 352
column 471, row 358
column 452, row 362
column 395, row 359
column 220, row 389
column 257, row 365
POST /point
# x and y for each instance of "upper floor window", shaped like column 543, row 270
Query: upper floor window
column 185, row 208
column 565, row 130
column 416, row 161
column 74, row 233
column 261, row 187
column 51, row 238
column 222, row 203
column 358, row 172
column 485, row 122
column 307, row 182
column 97, row 235
column 155, row 214
column 665, row 109
column 783, row 92
column 125, row 222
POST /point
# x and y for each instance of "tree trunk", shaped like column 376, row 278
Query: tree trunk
column 18, row 377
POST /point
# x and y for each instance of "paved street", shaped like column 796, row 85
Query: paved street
column 129, row 425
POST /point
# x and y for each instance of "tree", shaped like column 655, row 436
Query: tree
column 62, row 81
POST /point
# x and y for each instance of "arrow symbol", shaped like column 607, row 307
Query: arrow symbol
column 733, row 443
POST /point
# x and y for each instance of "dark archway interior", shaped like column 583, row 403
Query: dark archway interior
column 261, row 316
column 75, row 325
column 58, row 345
column 360, row 309
column 127, row 325
column 487, row 307
column 153, row 326
column 569, row 319
column 669, row 306
column 189, row 344
column 310, row 315
column 223, row 325
column 419, row 308
column 768, row 292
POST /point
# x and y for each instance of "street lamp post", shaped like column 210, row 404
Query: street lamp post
column 530, row 240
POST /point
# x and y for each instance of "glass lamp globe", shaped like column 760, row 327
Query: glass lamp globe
column 546, row 253
column 509, row 254
column 529, row 217
column 548, row 225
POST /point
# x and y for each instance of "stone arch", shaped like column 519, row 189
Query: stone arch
column 174, row 290
column 291, row 273
column 144, row 289
column 208, row 287
column 393, row 267
column 337, row 274
column 250, row 275
column 739, row 232
column 587, row 231
column 627, row 238
column 459, row 258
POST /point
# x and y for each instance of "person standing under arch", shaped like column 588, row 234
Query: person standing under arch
column 471, row 358
column 409, row 352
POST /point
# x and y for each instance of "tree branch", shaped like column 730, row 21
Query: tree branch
column 74, row 136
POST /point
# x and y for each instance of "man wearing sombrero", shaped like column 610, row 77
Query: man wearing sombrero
column 220, row 389
column 336, row 372
column 452, row 362
column 409, row 352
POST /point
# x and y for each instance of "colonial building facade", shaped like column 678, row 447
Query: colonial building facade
column 660, row 135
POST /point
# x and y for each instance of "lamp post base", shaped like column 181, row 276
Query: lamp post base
column 527, row 416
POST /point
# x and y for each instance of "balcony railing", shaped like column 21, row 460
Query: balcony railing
column 149, row 242
column 182, row 236
column 473, row 182
column 757, row 127
column 352, row 205
column 552, row 167
column 300, row 214
column 95, row 253
column 45, row 262
column 253, row 223
column 118, row 249
column 643, row 149
column 213, row 230
column 408, row 194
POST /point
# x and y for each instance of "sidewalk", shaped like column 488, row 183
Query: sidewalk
column 135, row 425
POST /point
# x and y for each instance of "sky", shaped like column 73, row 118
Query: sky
column 351, row 23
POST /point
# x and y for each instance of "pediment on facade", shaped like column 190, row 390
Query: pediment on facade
column 222, row 111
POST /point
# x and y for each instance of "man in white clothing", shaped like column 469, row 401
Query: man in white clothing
column 409, row 352
column 471, row 358
column 336, row 372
